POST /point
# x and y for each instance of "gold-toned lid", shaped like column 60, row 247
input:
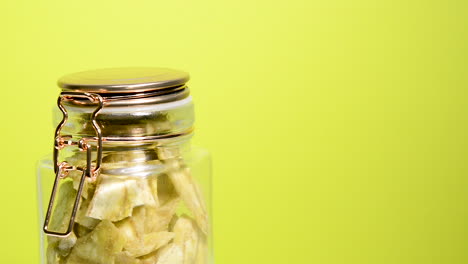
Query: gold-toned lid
column 123, row 80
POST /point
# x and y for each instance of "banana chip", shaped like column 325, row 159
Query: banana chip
column 62, row 245
column 52, row 254
column 187, row 237
column 190, row 194
column 202, row 250
column 173, row 222
column 98, row 247
column 158, row 219
column 170, row 254
column 153, row 185
column 124, row 258
column 166, row 191
column 149, row 259
column 147, row 219
column 80, row 230
column 82, row 218
column 66, row 244
column 115, row 197
column 132, row 228
column 148, row 243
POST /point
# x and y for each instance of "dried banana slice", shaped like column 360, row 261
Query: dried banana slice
column 173, row 222
column 80, row 230
column 187, row 237
column 170, row 254
column 166, row 191
column 62, row 245
column 98, row 247
column 202, row 250
column 116, row 196
column 153, row 185
column 148, row 243
column 158, row 219
column 132, row 228
column 82, row 218
column 124, row 258
column 190, row 194
column 52, row 254
column 66, row 244
column 144, row 221
column 148, row 259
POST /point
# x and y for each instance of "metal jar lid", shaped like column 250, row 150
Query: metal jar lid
column 123, row 80
column 128, row 86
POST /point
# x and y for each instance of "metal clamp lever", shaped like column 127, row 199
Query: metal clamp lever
column 62, row 169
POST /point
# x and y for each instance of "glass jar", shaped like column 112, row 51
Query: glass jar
column 124, row 185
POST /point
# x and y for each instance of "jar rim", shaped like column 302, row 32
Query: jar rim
column 123, row 80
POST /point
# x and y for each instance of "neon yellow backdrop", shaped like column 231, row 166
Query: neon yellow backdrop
column 338, row 128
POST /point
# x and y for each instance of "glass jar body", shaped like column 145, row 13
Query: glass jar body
column 149, row 204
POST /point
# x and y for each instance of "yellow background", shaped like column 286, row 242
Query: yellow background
column 338, row 128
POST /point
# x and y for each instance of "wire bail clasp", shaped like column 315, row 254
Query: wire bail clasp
column 62, row 169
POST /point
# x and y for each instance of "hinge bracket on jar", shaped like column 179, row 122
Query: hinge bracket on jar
column 63, row 168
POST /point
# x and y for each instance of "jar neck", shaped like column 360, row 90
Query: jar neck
column 120, row 153
column 133, row 124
